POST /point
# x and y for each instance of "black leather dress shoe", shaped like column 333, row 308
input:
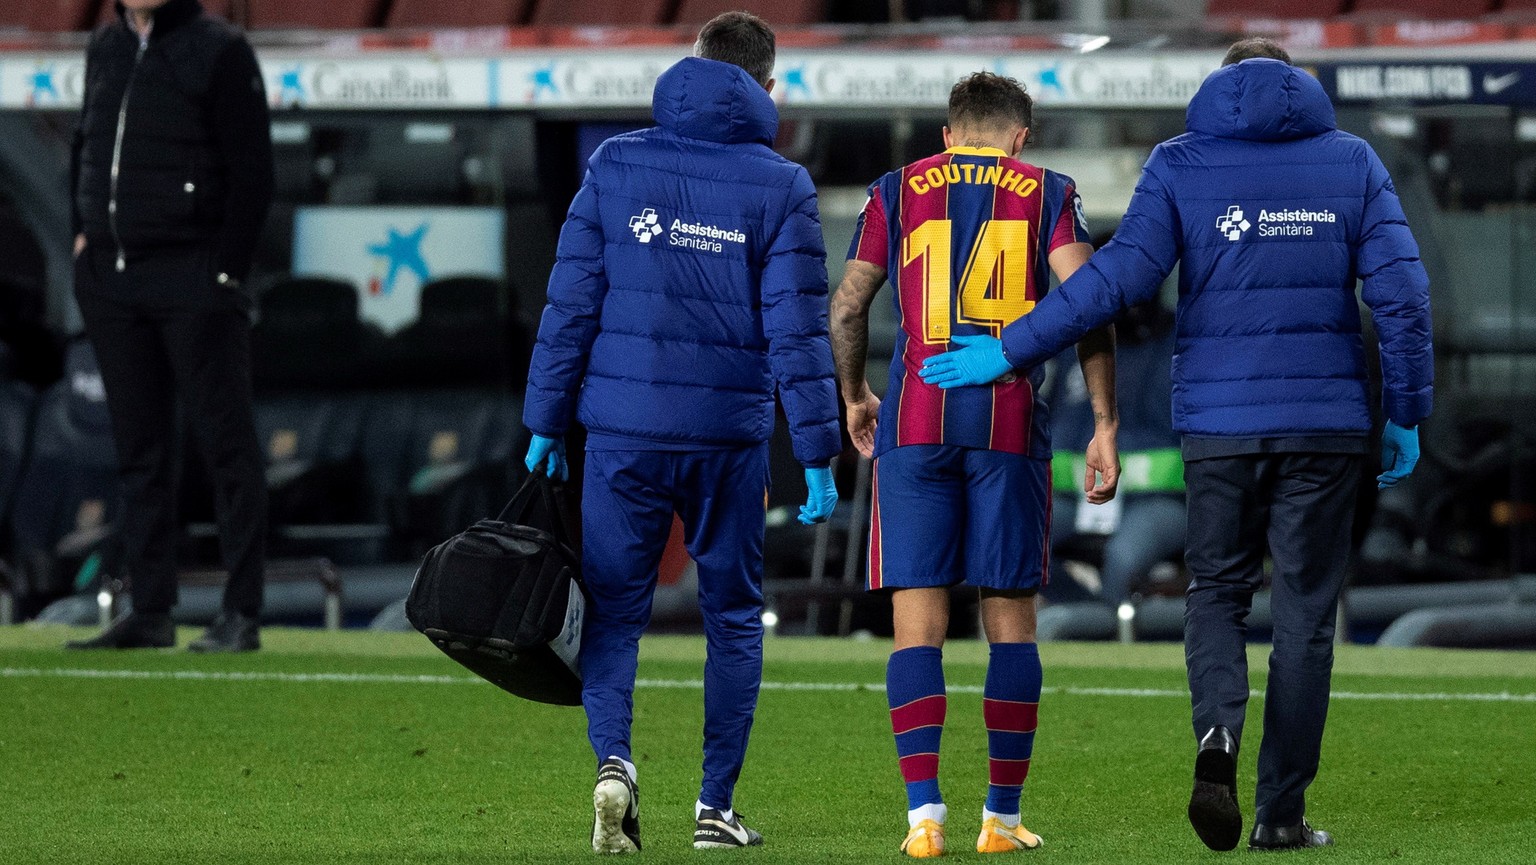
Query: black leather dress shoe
column 1295, row 837
column 132, row 631
column 1213, row 808
column 230, row 632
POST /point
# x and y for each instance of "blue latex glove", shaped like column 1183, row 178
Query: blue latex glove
column 980, row 361
column 550, row 454
column 822, row 498
column 1399, row 454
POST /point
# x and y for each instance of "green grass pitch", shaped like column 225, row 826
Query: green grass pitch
column 163, row 757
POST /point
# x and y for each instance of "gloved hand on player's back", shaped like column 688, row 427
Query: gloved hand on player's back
column 979, row 361
column 821, row 499
column 549, row 455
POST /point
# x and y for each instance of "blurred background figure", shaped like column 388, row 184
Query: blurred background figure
column 172, row 179
column 1143, row 526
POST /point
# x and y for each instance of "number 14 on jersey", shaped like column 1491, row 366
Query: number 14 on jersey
column 993, row 289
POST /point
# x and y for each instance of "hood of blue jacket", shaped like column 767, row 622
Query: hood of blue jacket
column 712, row 101
column 1261, row 100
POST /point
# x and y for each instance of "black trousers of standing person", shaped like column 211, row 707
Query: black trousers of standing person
column 1300, row 507
column 166, row 333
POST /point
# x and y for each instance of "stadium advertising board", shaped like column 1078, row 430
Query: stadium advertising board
column 581, row 79
column 393, row 251
column 584, row 79
column 1430, row 83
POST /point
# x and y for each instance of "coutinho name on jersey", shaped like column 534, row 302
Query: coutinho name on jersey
column 953, row 173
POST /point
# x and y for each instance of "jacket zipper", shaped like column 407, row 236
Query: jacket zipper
column 117, row 157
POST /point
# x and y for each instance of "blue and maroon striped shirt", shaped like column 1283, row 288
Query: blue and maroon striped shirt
column 965, row 238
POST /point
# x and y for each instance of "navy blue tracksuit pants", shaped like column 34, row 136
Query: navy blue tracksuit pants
column 628, row 499
column 1301, row 507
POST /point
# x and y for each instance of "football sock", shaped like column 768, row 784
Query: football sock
column 699, row 808
column 1009, row 703
column 1009, row 820
column 914, row 684
column 936, row 812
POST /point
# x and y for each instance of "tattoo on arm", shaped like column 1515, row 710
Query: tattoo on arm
column 850, row 325
column 1096, row 355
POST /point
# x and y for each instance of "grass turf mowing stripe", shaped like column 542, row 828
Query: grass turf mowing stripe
column 688, row 684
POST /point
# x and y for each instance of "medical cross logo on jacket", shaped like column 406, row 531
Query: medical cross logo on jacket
column 646, row 225
column 1233, row 224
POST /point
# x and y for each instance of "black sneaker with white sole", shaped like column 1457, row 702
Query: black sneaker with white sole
column 616, row 807
column 714, row 831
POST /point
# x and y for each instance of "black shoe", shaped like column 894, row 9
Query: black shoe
column 714, row 831
column 616, row 803
column 132, row 631
column 1213, row 809
column 230, row 632
column 1287, row 837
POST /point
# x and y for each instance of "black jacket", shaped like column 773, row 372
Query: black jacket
column 195, row 154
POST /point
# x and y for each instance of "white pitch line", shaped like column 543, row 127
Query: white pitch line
column 684, row 684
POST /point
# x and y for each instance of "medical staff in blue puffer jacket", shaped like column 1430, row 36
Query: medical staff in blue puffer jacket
column 690, row 286
column 1273, row 214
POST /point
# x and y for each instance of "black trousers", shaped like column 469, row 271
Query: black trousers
column 165, row 331
column 1300, row 506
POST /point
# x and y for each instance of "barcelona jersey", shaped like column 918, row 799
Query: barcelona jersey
column 965, row 238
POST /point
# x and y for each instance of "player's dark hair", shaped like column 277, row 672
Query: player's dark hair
column 740, row 38
column 985, row 99
column 1256, row 46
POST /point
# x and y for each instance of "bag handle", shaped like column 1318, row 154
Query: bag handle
column 523, row 500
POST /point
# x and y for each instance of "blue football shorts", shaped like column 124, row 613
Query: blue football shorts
column 945, row 515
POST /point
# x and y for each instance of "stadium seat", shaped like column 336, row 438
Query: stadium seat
column 464, row 336
column 308, row 14
column 1422, row 8
column 778, row 12
column 612, row 13
column 458, row 13
column 313, row 447
column 309, row 336
column 52, row 15
column 34, row 350
column 69, row 489
column 1269, row 9
column 14, row 15
column 16, row 404
column 442, row 459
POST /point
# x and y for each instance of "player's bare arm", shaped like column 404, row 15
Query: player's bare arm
column 850, row 346
column 1096, row 356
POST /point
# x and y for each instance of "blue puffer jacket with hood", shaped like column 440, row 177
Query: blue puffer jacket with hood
column 690, row 284
column 1272, row 214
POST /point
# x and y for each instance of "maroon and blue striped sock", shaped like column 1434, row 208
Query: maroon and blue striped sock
column 1010, row 703
column 914, row 684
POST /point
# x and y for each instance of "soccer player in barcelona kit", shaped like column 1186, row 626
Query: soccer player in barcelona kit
column 962, row 477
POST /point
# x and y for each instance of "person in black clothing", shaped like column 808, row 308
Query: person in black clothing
column 172, row 180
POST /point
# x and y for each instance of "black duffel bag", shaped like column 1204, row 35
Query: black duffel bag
column 504, row 598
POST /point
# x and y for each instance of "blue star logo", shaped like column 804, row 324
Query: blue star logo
column 42, row 85
column 544, row 79
column 794, row 82
column 1051, row 77
column 402, row 251
column 290, row 86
